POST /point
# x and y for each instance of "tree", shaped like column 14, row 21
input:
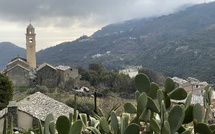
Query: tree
column 96, row 67
column 6, row 91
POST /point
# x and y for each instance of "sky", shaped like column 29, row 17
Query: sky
column 57, row 21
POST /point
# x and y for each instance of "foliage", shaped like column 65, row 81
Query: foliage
column 153, row 75
column 179, row 44
column 154, row 111
column 38, row 88
column 103, row 79
column 6, row 91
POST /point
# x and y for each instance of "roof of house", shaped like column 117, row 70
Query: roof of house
column 60, row 67
column 39, row 105
column 45, row 64
column 179, row 80
column 19, row 59
column 18, row 65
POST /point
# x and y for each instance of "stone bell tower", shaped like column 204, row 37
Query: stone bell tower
column 31, row 46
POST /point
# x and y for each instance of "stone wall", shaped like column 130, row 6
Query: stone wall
column 19, row 76
column 47, row 76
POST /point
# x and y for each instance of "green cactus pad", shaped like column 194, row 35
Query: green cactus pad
column 188, row 100
column 94, row 130
column 137, row 95
column 114, row 123
column 166, row 128
column 176, row 117
column 169, row 85
column 142, row 83
column 63, row 125
column 83, row 118
column 152, row 105
column 132, row 129
column 124, row 121
column 48, row 119
column 104, row 125
column 142, row 102
column 167, row 101
column 197, row 112
column 188, row 115
column 130, row 108
column 52, row 127
column 154, row 126
column 145, row 116
column 178, row 94
column 76, row 127
column 202, row 128
column 153, row 90
column 212, row 127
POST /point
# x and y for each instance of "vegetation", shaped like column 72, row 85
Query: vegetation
column 6, row 91
column 153, row 113
column 105, row 81
column 179, row 44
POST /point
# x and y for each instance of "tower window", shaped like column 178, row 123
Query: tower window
column 30, row 40
column 29, row 32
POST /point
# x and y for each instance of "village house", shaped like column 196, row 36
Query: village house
column 25, row 72
column 26, row 112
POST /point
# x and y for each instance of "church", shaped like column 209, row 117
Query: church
column 25, row 72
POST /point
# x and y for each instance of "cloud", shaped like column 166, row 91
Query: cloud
column 64, row 13
column 57, row 21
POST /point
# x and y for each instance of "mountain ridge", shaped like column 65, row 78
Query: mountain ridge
column 167, row 44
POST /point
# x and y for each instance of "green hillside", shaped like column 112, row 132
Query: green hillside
column 179, row 44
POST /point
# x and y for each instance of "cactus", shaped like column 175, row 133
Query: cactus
column 5, row 126
column 142, row 83
column 63, row 125
column 52, row 127
column 176, row 117
column 114, row 122
column 104, row 125
column 132, row 129
column 153, row 110
column 76, row 128
column 197, row 112
column 40, row 127
column 48, row 119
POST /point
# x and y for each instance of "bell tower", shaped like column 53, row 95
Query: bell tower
column 31, row 46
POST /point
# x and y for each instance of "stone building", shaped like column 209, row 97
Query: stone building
column 47, row 75
column 30, row 109
column 20, row 72
column 24, row 72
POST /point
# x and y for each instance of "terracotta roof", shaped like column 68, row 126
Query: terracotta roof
column 39, row 105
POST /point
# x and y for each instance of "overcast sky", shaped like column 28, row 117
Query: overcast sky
column 56, row 21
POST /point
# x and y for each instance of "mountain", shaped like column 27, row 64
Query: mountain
column 179, row 44
column 8, row 51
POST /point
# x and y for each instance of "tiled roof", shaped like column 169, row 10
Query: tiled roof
column 39, row 105
column 19, row 59
column 45, row 64
column 18, row 65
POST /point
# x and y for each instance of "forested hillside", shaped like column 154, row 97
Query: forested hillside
column 179, row 44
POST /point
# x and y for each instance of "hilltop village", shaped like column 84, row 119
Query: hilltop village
column 25, row 72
